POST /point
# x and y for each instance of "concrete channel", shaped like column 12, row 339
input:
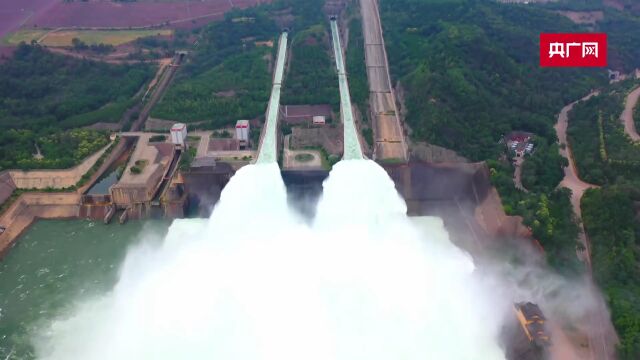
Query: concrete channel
column 352, row 148
column 268, row 152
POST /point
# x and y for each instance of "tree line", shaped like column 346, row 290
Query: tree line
column 44, row 95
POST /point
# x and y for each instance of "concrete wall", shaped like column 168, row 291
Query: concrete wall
column 462, row 195
column 7, row 186
column 56, row 179
column 31, row 206
column 489, row 211
column 128, row 195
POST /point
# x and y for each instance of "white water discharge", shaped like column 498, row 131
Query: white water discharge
column 268, row 148
column 352, row 149
column 257, row 282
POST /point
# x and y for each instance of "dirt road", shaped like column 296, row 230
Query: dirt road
column 602, row 335
column 517, row 174
column 627, row 114
column 389, row 138
column 571, row 179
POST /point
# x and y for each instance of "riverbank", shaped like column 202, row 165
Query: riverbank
column 32, row 206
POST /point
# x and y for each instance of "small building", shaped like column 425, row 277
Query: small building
column 319, row 120
column 519, row 142
column 268, row 43
column 242, row 132
column 179, row 134
column 304, row 114
column 614, row 75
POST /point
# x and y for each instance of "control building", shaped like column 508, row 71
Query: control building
column 179, row 135
column 242, row 133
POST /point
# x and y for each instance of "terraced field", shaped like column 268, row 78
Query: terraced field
column 65, row 37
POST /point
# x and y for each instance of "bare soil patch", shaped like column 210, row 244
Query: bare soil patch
column 14, row 13
column 583, row 17
column 107, row 14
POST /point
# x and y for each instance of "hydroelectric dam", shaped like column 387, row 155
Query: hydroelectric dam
column 257, row 280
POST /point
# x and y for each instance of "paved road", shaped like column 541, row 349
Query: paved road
column 389, row 138
column 163, row 84
column 203, row 145
column 627, row 114
column 601, row 333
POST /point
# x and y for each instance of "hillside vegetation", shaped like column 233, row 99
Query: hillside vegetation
column 621, row 28
column 615, row 251
column 60, row 150
column 227, row 78
column 471, row 71
column 43, row 90
column 605, row 155
column 44, row 96
column 238, row 88
column 471, row 74
column 312, row 78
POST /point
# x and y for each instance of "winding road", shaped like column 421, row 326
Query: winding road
column 571, row 179
column 627, row 114
column 601, row 333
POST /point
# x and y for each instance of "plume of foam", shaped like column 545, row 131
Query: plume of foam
column 256, row 282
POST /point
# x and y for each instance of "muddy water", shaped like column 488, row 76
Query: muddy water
column 56, row 262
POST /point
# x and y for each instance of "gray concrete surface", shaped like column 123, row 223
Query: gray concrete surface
column 389, row 137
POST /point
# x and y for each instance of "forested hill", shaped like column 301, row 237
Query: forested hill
column 471, row 74
column 471, row 71
column 39, row 89
column 44, row 95
column 227, row 77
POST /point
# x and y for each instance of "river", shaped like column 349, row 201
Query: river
column 55, row 264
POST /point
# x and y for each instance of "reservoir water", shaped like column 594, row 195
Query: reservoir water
column 55, row 264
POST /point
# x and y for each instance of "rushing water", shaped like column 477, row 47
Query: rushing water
column 54, row 265
column 255, row 281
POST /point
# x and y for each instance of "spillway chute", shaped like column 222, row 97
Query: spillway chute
column 268, row 149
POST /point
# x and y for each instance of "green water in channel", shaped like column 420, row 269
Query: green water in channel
column 56, row 264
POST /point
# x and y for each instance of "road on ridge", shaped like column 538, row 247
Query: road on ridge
column 389, row 138
column 571, row 179
column 627, row 114
column 601, row 333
